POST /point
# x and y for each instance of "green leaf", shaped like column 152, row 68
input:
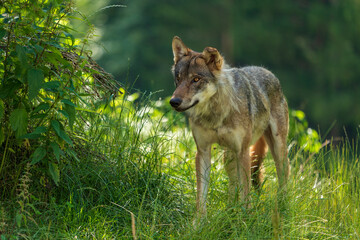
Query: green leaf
column 71, row 37
column 56, row 126
column 21, row 54
column 65, row 137
column 41, row 115
column 68, row 102
column 39, row 48
column 64, row 113
column 70, row 109
column 133, row 97
column 54, row 172
column 54, row 56
column 19, row 121
column 53, row 85
column 86, row 110
column 39, row 130
column 2, row 109
column 41, row 106
column 35, row 79
column 36, row 133
column 2, row 135
column 38, row 155
column 2, row 32
column 298, row 114
column 61, row 133
column 8, row 88
column 18, row 218
column 56, row 150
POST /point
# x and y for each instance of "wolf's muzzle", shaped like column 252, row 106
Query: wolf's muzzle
column 175, row 102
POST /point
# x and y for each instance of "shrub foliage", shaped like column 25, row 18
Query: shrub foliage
column 48, row 82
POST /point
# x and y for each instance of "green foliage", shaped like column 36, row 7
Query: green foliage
column 301, row 135
column 35, row 79
column 2, row 109
column 19, row 121
column 46, row 79
column 38, row 155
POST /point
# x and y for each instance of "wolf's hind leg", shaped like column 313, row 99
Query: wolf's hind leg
column 276, row 136
column 258, row 152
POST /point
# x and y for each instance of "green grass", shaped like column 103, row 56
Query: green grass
column 139, row 160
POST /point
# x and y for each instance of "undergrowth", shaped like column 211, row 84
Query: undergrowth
column 107, row 164
column 140, row 162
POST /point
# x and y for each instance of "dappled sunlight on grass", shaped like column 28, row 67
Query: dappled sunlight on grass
column 142, row 166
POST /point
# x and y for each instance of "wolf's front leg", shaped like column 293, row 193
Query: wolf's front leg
column 203, row 165
column 244, row 172
column 238, row 168
column 231, row 170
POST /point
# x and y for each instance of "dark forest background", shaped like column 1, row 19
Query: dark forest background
column 312, row 46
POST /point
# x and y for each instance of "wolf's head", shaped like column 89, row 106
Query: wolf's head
column 194, row 75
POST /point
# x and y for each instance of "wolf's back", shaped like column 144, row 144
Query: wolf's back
column 263, row 78
column 258, row 87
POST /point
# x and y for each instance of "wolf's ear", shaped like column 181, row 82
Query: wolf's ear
column 179, row 49
column 213, row 58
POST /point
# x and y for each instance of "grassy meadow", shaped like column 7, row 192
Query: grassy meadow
column 80, row 159
column 134, row 178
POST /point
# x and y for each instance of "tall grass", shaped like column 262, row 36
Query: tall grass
column 137, row 159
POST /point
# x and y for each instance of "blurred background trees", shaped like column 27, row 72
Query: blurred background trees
column 312, row 46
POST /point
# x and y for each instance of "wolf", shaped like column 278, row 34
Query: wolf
column 242, row 109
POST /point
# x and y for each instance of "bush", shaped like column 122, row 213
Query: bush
column 49, row 82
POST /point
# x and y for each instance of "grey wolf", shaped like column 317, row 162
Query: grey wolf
column 241, row 109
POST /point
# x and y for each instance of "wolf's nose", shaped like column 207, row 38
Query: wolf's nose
column 175, row 102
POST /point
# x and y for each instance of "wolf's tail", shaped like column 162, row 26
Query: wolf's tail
column 257, row 154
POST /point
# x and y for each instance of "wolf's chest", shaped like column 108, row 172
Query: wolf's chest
column 226, row 137
column 229, row 137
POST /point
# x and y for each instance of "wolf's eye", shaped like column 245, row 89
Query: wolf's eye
column 177, row 79
column 196, row 79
